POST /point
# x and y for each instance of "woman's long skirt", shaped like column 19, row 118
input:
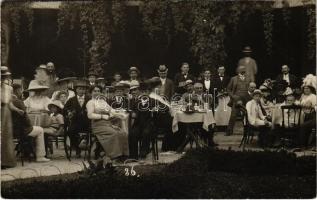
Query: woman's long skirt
column 113, row 140
column 7, row 147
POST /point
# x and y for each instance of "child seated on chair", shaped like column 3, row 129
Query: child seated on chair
column 57, row 120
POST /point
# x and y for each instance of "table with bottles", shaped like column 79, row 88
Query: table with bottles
column 199, row 113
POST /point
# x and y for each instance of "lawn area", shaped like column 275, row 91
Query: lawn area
column 199, row 174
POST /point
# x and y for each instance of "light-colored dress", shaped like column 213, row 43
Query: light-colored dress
column 111, row 137
column 37, row 109
column 308, row 101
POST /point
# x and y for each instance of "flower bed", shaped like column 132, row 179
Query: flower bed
column 199, row 174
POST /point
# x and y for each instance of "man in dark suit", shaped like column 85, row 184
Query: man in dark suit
column 75, row 113
column 207, row 82
column 167, row 85
column 181, row 78
column 221, row 80
column 238, row 91
column 291, row 79
column 141, row 124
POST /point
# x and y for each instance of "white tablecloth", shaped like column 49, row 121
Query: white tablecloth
column 207, row 118
column 223, row 111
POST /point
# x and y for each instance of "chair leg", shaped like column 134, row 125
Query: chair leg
column 56, row 142
column 153, row 150
column 156, row 150
column 242, row 141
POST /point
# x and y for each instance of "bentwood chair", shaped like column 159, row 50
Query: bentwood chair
column 25, row 148
column 248, row 130
column 291, row 121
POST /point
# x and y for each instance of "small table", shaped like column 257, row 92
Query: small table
column 207, row 118
column 189, row 119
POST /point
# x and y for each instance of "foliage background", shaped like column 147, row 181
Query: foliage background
column 107, row 36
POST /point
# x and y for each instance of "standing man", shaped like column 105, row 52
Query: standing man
column 92, row 77
column 75, row 113
column 238, row 92
column 249, row 63
column 116, row 78
column 167, row 85
column 221, row 80
column 207, row 83
column 134, row 74
column 181, row 78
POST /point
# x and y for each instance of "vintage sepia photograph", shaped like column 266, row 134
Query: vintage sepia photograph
column 158, row 99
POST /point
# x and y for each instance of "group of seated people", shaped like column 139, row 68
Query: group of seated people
column 94, row 105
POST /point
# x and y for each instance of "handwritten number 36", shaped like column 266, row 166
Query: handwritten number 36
column 129, row 173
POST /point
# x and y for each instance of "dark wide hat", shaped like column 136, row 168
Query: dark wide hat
column 66, row 79
column 247, row 49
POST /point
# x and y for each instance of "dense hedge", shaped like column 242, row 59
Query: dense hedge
column 199, row 174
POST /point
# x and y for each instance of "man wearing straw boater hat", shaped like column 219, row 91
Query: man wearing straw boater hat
column 256, row 118
column 75, row 114
column 249, row 63
column 134, row 74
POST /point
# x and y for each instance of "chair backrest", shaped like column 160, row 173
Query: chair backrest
column 244, row 115
column 292, row 119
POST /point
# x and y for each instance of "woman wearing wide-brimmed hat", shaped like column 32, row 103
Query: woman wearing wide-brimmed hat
column 7, row 146
column 37, row 106
column 37, row 102
column 309, row 104
column 64, row 85
column 308, row 98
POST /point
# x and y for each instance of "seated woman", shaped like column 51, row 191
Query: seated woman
column 37, row 102
column 62, row 96
column 57, row 120
column 111, row 137
column 308, row 102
